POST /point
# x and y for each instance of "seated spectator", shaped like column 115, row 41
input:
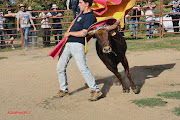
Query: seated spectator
column 2, row 31
column 136, row 11
column 75, row 7
column 45, row 26
column 175, row 8
column 149, row 11
column 10, row 18
column 31, row 28
column 56, row 20
column 24, row 18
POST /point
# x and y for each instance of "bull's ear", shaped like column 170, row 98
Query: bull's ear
column 113, row 32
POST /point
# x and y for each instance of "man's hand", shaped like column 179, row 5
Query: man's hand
column 34, row 28
column 18, row 29
column 67, row 34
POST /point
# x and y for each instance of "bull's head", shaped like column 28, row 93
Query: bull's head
column 102, row 35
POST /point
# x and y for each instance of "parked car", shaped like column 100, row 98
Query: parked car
column 166, row 24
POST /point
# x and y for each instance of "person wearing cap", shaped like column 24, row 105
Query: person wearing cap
column 45, row 26
column 75, row 7
column 24, row 18
column 2, row 27
column 31, row 28
column 56, row 20
column 10, row 18
column 75, row 47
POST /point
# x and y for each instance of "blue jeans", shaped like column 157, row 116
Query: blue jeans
column 75, row 50
column 75, row 7
column 148, row 26
column 2, row 38
column 135, row 26
column 34, row 34
column 26, row 34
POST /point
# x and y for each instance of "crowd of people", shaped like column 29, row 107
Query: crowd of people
column 27, row 20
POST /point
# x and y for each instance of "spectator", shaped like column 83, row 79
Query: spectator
column 10, row 19
column 175, row 8
column 75, row 7
column 55, row 21
column 2, row 31
column 45, row 26
column 31, row 28
column 149, row 11
column 24, row 18
column 136, row 11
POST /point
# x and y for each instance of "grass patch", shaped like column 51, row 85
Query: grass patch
column 145, row 45
column 149, row 102
column 174, row 84
column 3, row 58
column 172, row 95
column 176, row 111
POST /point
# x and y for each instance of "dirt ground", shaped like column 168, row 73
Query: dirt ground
column 28, row 80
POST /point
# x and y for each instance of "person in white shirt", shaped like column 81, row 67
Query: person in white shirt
column 45, row 26
column 149, row 11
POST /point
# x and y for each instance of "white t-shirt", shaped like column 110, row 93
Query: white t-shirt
column 45, row 21
column 150, row 12
column 24, row 18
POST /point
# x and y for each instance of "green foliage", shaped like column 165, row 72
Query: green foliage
column 176, row 111
column 149, row 102
column 3, row 58
column 172, row 95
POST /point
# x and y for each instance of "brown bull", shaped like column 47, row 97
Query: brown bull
column 111, row 50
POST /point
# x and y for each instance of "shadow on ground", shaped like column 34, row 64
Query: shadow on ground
column 139, row 75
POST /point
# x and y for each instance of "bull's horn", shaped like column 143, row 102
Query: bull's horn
column 90, row 33
column 112, row 27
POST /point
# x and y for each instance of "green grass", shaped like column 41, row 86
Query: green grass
column 171, row 95
column 3, row 58
column 149, row 102
column 174, row 84
column 176, row 111
column 145, row 45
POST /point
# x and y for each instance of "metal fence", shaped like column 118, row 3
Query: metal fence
column 162, row 25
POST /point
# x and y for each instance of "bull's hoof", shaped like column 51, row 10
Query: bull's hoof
column 117, row 83
column 136, row 90
column 126, row 91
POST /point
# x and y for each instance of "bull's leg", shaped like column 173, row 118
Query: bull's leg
column 118, row 75
column 128, row 74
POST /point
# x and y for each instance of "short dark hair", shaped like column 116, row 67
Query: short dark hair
column 88, row 1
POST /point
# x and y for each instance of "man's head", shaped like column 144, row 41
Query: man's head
column 54, row 7
column 22, row 7
column 9, row 11
column 83, row 4
column 149, row 2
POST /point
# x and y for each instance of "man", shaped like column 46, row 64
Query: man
column 31, row 28
column 75, row 48
column 175, row 8
column 23, row 17
column 75, row 7
column 55, row 21
column 136, row 12
column 150, row 17
column 2, row 31
column 10, row 18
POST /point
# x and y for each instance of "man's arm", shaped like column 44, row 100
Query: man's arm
column 18, row 24
column 81, row 33
column 67, row 4
column 32, row 23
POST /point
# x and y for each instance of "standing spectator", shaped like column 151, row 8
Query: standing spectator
column 136, row 11
column 55, row 21
column 24, row 18
column 175, row 8
column 2, row 31
column 75, row 7
column 149, row 11
column 10, row 18
column 45, row 26
column 31, row 28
